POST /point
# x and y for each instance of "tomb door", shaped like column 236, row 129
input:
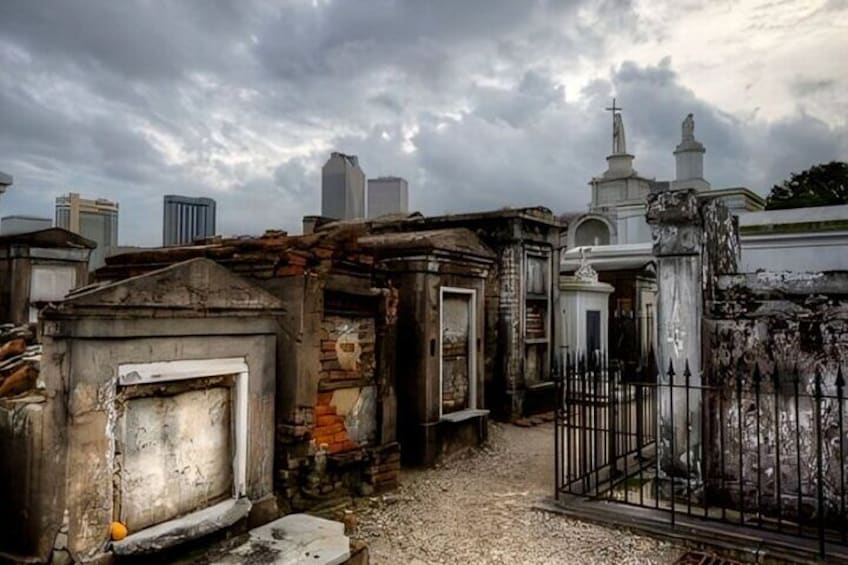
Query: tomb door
column 458, row 354
column 593, row 332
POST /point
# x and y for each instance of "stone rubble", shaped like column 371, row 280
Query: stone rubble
column 20, row 359
column 478, row 508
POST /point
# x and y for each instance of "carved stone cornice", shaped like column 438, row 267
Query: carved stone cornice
column 676, row 223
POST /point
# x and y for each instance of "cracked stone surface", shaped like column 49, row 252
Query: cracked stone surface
column 478, row 508
column 296, row 539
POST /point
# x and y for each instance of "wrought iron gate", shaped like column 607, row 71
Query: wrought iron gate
column 605, row 425
column 767, row 452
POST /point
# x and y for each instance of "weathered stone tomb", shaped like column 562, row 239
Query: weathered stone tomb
column 159, row 414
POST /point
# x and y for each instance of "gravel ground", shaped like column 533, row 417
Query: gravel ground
column 477, row 508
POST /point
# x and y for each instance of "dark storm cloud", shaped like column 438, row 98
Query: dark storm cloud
column 133, row 38
column 242, row 101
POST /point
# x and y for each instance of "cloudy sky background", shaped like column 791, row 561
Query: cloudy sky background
column 478, row 103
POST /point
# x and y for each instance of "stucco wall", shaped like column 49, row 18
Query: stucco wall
column 92, row 374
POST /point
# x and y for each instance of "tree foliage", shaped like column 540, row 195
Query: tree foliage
column 820, row 185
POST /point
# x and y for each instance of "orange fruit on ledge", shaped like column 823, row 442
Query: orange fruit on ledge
column 118, row 531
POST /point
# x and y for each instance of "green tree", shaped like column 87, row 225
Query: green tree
column 820, row 185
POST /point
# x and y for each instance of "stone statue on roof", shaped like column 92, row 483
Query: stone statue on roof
column 619, row 144
column 585, row 272
column 689, row 128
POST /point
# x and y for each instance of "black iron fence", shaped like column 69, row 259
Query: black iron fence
column 741, row 447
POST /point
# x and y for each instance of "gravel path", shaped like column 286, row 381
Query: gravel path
column 477, row 508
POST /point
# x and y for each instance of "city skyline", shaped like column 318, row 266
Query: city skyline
column 96, row 219
column 478, row 107
column 185, row 219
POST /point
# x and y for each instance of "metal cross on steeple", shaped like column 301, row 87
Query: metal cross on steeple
column 615, row 110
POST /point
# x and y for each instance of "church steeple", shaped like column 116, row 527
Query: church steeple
column 620, row 183
column 620, row 162
column 619, row 144
column 689, row 158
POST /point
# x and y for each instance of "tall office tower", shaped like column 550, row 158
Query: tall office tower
column 23, row 224
column 185, row 219
column 342, row 188
column 96, row 220
column 387, row 195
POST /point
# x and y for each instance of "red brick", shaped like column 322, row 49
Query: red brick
column 320, row 438
column 335, row 447
column 339, row 436
column 295, row 258
column 331, row 429
column 386, row 477
column 324, row 398
column 289, row 270
column 324, row 410
column 329, row 420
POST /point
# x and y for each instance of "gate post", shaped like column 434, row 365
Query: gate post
column 678, row 234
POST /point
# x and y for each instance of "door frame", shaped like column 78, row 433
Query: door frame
column 184, row 369
column 472, row 344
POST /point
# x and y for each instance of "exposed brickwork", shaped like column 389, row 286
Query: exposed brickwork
column 329, row 429
column 347, row 348
column 384, row 469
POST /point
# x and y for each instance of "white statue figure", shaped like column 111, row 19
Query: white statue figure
column 619, row 145
column 585, row 272
column 689, row 128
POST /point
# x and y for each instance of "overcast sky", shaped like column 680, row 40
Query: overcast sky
column 480, row 104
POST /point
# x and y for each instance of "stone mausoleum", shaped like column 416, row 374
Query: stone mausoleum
column 440, row 277
column 155, row 409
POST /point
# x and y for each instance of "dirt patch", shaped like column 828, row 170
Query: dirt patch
column 478, row 508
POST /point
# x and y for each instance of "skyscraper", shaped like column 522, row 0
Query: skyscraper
column 96, row 220
column 342, row 188
column 185, row 219
column 387, row 195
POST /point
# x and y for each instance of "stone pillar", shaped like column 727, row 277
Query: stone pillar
column 677, row 227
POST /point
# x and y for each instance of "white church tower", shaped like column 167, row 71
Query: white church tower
column 619, row 193
column 689, row 157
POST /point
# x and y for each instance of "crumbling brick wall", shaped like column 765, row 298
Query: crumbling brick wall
column 347, row 349
column 317, row 464
column 771, row 338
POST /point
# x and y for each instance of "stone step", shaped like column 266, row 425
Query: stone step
column 296, row 539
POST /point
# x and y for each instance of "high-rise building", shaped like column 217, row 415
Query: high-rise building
column 387, row 195
column 185, row 219
column 342, row 188
column 10, row 225
column 96, row 220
